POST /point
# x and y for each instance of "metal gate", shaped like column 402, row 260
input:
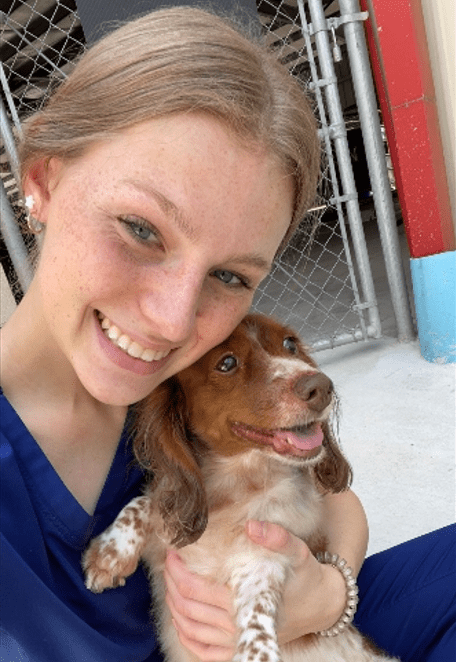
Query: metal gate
column 322, row 285
column 325, row 288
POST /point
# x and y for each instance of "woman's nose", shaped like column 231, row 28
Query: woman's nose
column 172, row 306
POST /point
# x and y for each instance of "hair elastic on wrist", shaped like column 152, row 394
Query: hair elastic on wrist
column 352, row 593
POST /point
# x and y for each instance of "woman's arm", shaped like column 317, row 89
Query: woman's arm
column 313, row 600
column 346, row 528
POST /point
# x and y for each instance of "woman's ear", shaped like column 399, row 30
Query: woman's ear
column 39, row 182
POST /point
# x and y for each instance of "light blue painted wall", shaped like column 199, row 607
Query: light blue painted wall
column 434, row 285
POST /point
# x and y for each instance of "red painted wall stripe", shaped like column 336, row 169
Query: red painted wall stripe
column 400, row 61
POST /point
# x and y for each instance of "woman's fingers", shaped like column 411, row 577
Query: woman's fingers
column 207, row 642
column 197, row 588
column 190, row 600
column 278, row 539
column 205, row 652
column 201, row 611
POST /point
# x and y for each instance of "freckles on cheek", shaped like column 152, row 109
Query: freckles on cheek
column 229, row 318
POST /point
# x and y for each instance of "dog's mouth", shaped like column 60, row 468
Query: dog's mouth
column 301, row 441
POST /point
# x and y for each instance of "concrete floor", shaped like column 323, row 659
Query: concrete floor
column 397, row 421
column 397, row 424
column 397, row 428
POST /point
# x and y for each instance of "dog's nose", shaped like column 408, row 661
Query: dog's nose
column 315, row 389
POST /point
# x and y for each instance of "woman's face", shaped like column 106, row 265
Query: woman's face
column 155, row 241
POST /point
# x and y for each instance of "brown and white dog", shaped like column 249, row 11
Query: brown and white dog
column 242, row 434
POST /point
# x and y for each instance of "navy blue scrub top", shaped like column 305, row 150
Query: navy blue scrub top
column 46, row 612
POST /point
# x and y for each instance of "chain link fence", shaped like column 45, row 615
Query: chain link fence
column 39, row 42
column 313, row 285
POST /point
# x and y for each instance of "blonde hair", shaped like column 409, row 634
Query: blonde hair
column 179, row 60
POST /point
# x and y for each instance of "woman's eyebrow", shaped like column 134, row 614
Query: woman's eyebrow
column 251, row 260
column 167, row 206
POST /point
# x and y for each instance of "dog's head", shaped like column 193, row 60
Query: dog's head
column 260, row 389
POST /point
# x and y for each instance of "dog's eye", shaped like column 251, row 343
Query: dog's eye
column 290, row 344
column 227, row 364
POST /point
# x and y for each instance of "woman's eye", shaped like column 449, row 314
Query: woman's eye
column 140, row 230
column 228, row 278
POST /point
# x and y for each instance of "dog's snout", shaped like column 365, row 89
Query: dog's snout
column 315, row 389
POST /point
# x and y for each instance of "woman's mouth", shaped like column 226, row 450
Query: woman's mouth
column 129, row 347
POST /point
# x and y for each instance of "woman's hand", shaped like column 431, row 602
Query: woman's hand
column 202, row 612
column 315, row 594
column 314, row 598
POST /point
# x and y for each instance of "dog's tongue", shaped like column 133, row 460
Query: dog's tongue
column 305, row 439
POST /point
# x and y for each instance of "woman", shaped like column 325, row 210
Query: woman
column 162, row 177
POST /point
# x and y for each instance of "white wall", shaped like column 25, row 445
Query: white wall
column 440, row 21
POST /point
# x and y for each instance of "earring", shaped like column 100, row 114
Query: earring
column 34, row 225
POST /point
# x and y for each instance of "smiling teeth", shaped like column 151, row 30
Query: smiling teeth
column 131, row 347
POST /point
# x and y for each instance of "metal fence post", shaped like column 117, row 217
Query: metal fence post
column 350, row 197
column 7, row 137
column 8, row 224
column 325, row 135
column 375, row 154
column 14, row 241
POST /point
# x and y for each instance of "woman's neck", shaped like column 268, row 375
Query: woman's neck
column 78, row 434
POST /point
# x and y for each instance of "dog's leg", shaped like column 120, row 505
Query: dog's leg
column 258, row 586
column 115, row 554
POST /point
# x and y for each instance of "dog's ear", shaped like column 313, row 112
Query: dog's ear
column 162, row 445
column 334, row 473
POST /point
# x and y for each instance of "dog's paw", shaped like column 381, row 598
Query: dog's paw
column 107, row 563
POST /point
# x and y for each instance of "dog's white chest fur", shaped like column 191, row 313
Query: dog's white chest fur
column 247, row 489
